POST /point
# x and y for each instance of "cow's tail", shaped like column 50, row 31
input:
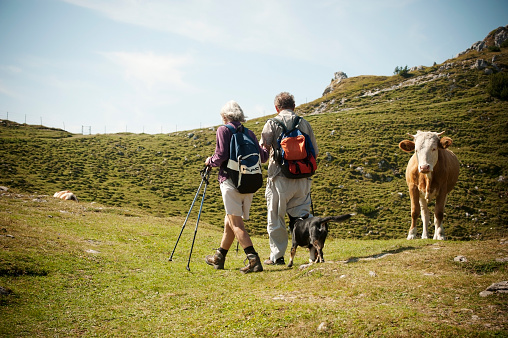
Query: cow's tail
column 340, row 218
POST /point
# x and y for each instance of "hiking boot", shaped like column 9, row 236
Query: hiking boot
column 254, row 264
column 217, row 260
column 278, row 261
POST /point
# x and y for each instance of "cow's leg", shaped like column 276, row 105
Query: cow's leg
column 424, row 207
column 438, row 217
column 415, row 211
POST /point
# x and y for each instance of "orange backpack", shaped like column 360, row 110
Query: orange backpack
column 295, row 151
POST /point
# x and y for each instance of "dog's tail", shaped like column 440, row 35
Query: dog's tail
column 340, row 218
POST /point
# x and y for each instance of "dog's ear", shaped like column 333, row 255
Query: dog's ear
column 291, row 218
column 292, row 221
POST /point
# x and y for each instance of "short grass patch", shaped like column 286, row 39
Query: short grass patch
column 85, row 269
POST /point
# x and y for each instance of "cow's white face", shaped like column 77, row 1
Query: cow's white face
column 426, row 150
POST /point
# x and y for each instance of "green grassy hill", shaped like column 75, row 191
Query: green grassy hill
column 360, row 167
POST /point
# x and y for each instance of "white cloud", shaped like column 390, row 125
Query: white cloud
column 262, row 26
column 10, row 69
column 189, row 18
column 8, row 92
column 4, row 89
column 152, row 70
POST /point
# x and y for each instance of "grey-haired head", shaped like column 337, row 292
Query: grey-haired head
column 232, row 111
column 284, row 100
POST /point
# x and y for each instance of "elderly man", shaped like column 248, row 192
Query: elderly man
column 284, row 194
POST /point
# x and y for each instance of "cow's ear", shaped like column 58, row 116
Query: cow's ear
column 407, row 146
column 445, row 142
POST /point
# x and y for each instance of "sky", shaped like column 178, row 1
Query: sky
column 160, row 66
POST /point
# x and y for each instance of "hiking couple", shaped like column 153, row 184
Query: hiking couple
column 285, row 192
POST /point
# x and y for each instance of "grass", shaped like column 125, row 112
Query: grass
column 100, row 267
column 360, row 167
column 85, row 269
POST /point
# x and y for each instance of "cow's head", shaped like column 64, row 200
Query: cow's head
column 426, row 145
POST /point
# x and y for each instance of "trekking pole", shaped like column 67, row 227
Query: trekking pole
column 203, row 172
column 205, row 176
column 311, row 205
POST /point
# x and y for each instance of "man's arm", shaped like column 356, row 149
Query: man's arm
column 266, row 136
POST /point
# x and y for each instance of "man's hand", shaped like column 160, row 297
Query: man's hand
column 266, row 146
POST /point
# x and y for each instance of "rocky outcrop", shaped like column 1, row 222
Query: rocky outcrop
column 494, row 39
column 339, row 76
column 415, row 68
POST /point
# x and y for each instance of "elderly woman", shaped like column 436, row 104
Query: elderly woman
column 237, row 205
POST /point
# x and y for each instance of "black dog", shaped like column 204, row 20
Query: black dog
column 311, row 233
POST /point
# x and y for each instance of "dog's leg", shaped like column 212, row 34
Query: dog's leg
column 293, row 253
column 320, row 255
column 319, row 250
column 312, row 254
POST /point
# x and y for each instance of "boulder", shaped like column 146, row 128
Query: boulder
column 5, row 291
column 500, row 36
column 500, row 287
column 479, row 64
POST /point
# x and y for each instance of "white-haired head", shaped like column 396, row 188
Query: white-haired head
column 232, row 112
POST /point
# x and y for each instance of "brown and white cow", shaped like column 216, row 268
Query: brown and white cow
column 431, row 173
column 65, row 195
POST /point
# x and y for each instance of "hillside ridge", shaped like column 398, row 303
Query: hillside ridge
column 495, row 38
column 358, row 126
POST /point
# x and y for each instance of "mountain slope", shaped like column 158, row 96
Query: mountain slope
column 358, row 124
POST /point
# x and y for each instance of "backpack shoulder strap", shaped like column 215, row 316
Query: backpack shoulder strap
column 297, row 122
column 231, row 128
column 241, row 129
column 284, row 129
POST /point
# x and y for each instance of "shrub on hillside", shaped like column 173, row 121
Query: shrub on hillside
column 498, row 86
column 404, row 72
